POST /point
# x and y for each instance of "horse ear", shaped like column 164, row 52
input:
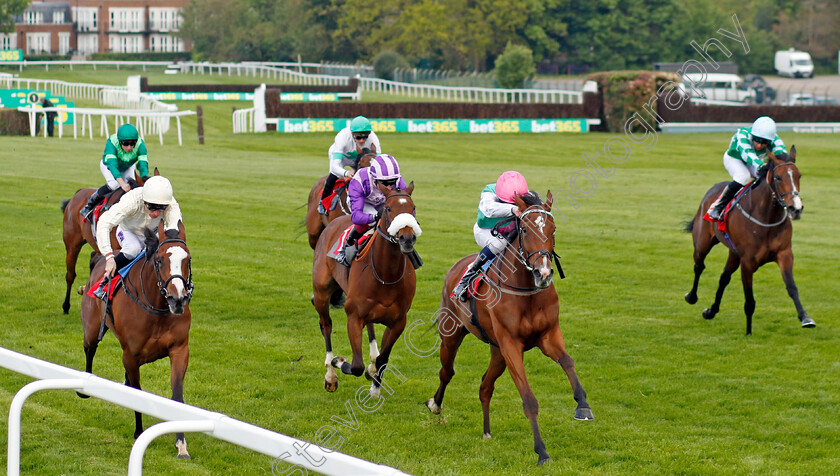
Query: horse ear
column 182, row 232
column 520, row 203
column 157, row 172
column 410, row 188
column 385, row 190
column 151, row 242
column 793, row 153
column 549, row 199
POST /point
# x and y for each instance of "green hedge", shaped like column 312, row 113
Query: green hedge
column 179, row 56
column 625, row 92
column 14, row 123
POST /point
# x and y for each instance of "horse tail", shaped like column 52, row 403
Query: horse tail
column 64, row 204
column 688, row 227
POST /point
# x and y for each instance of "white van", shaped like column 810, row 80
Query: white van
column 796, row 64
column 717, row 87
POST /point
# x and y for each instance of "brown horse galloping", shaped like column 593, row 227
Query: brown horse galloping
column 517, row 309
column 380, row 286
column 759, row 231
column 150, row 315
column 315, row 222
column 76, row 231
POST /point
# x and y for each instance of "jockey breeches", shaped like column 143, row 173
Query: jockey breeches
column 739, row 171
column 111, row 180
column 484, row 237
column 131, row 244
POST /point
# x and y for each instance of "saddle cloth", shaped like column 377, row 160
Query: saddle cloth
column 721, row 224
column 116, row 280
column 331, row 200
column 336, row 248
column 472, row 291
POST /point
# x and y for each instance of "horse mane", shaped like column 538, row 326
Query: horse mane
column 531, row 198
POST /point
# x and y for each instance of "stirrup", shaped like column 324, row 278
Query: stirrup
column 460, row 291
column 322, row 210
column 100, row 294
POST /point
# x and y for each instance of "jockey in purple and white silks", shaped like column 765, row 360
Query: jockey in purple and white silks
column 366, row 200
column 496, row 204
column 350, row 143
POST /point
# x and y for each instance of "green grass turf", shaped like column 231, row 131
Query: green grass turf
column 671, row 392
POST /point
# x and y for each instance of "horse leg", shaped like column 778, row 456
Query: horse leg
column 448, row 349
column 785, row 260
column 132, row 379
column 354, row 332
column 488, row 385
column 554, row 348
column 374, row 351
column 703, row 243
column 178, row 360
column 73, row 248
column 389, row 338
column 325, row 323
column 513, row 353
column 732, row 264
column 749, row 300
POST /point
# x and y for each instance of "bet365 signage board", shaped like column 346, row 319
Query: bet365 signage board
column 477, row 126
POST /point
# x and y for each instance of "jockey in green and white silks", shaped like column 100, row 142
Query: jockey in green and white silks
column 746, row 153
column 348, row 145
column 124, row 152
column 496, row 204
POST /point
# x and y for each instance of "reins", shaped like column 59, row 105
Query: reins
column 135, row 292
column 777, row 198
column 392, row 239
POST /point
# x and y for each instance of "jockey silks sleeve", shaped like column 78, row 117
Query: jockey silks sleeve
column 130, row 212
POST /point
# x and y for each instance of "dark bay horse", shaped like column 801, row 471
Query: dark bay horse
column 380, row 286
column 150, row 315
column 517, row 309
column 759, row 231
column 76, row 231
column 315, row 222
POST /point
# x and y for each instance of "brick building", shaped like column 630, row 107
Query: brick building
column 90, row 26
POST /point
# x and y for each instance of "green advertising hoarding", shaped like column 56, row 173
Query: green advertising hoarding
column 477, row 126
column 11, row 55
column 179, row 96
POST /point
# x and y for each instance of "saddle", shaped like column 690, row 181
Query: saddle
column 331, row 200
column 722, row 223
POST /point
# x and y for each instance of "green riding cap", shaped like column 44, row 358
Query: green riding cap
column 360, row 124
column 127, row 132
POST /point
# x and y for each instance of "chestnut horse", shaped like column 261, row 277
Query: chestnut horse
column 315, row 222
column 517, row 309
column 77, row 232
column 759, row 231
column 380, row 286
column 149, row 314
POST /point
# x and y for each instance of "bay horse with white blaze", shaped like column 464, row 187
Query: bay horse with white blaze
column 149, row 314
column 515, row 309
column 759, row 231
column 380, row 286
column 315, row 222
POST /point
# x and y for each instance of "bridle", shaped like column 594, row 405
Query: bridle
column 778, row 198
column 162, row 284
column 386, row 218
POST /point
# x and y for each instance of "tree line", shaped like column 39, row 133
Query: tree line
column 471, row 34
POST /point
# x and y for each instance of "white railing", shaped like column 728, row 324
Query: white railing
column 116, row 64
column 464, row 94
column 243, row 120
column 147, row 122
column 178, row 417
column 57, row 87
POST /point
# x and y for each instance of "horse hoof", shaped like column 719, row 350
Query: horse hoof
column 435, row 408
column 487, row 436
column 690, row 298
column 543, row 459
column 184, row 456
column 81, row 290
column 82, row 395
column 331, row 386
column 370, row 371
column 708, row 314
column 312, row 299
column 584, row 414
column 337, row 362
column 809, row 323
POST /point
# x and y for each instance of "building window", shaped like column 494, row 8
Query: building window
column 37, row 43
column 8, row 42
column 63, row 43
column 58, row 16
column 33, row 18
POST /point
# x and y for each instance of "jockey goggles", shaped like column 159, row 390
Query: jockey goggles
column 388, row 182
column 761, row 140
column 361, row 135
column 129, row 143
column 155, row 206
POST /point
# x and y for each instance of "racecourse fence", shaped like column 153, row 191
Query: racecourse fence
column 179, row 417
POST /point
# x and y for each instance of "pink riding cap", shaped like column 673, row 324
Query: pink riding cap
column 509, row 185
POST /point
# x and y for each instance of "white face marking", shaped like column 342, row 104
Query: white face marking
column 797, row 202
column 403, row 201
column 540, row 222
column 176, row 256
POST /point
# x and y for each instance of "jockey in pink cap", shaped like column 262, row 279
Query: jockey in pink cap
column 366, row 200
column 496, row 204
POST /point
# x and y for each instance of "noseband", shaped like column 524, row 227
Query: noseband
column 780, row 197
column 162, row 284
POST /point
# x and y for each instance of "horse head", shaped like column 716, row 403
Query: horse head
column 536, row 236
column 398, row 221
column 783, row 178
column 173, row 270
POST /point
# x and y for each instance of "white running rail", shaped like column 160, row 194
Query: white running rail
column 178, row 417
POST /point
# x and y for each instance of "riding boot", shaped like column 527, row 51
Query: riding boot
column 460, row 290
column 97, row 195
column 349, row 250
column 121, row 261
column 328, row 188
column 716, row 210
